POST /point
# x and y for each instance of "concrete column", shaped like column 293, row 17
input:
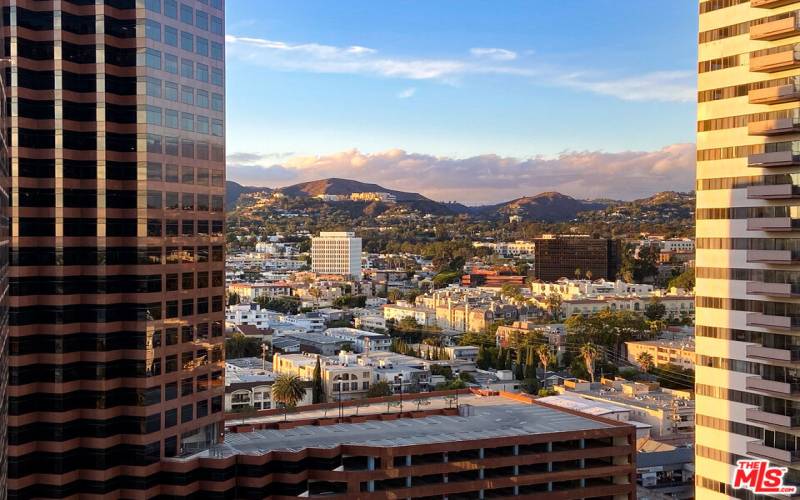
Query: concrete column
column 408, row 479
column 550, row 465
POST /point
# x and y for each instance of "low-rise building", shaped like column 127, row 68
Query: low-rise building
column 248, row 385
column 249, row 292
column 402, row 310
column 370, row 322
column 361, row 340
column 664, row 352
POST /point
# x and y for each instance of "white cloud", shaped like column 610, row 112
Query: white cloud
column 494, row 53
column 667, row 86
column 407, row 93
column 488, row 178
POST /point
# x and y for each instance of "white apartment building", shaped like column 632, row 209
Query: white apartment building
column 362, row 341
column 336, row 253
column 678, row 245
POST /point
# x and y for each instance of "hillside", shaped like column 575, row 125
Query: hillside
column 546, row 207
column 335, row 186
column 233, row 190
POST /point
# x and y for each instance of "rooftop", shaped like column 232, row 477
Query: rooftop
column 493, row 418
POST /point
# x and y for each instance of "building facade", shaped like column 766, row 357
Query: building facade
column 561, row 256
column 117, row 243
column 5, row 186
column 336, row 253
column 747, row 311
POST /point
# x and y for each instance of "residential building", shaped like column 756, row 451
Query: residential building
column 598, row 408
column 747, row 265
column 664, row 352
column 560, row 256
column 568, row 288
column 361, row 340
column 370, row 322
column 343, row 378
column 314, row 343
column 678, row 245
column 248, row 385
column 116, row 300
column 664, row 470
column 402, row 310
column 514, row 249
column 249, row 292
column 668, row 412
column 500, row 446
column 492, row 278
column 336, row 253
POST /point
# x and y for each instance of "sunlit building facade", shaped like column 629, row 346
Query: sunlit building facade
column 748, row 240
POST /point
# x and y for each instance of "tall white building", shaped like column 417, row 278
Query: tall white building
column 336, row 253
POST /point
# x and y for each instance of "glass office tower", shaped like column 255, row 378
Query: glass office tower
column 116, row 139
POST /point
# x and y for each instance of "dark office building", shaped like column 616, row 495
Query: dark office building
column 117, row 241
column 559, row 256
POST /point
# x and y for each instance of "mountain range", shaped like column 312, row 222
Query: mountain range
column 545, row 207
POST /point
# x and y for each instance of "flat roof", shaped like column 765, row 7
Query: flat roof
column 494, row 417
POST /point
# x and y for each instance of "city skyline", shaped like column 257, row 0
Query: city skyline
column 420, row 108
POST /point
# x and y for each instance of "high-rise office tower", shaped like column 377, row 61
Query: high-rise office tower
column 116, row 278
column 336, row 253
column 748, row 240
column 4, row 199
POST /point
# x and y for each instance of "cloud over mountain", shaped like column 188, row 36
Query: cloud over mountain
column 486, row 178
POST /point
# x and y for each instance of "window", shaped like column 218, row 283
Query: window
column 216, row 102
column 202, row 150
column 202, row 124
column 171, row 146
column 153, row 171
column 202, row 177
column 187, row 122
column 187, row 94
column 217, row 178
column 171, row 36
column 171, row 91
column 201, row 20
column 187, row 14
column 171, row 64
column 187, row 41
column 187, row 148
column 217, row 26
column 172, row 286
column 216, row 128
column 216, row 51
column 202, row 46
column 153, row 5
column 152, row 30
column 171, row 8
column 153, row 59
column 154, row 228
column 172, row 173
column 216, row 76
column 153, row 115
column 187, row 68
column 202, row 72
column 187, row 175
column 202, row 98
column 171, row 227
column 187, row 201
column 153, row 87
column 170, row 118
column 172, row 201
column 154, row 144
column 154, row 200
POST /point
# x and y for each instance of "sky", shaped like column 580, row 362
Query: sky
column 471, row 100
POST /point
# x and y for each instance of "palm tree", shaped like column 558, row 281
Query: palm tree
column 545, row 356
column 589, row 275
column 288, row 390
column 553, row 303
column 645, row 360
column 589, row 355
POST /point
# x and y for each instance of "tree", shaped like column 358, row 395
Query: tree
column 645, row 360
column 684, row 280
column 318, row 392
column 655, row 310
column 239, row 345
column 553, row 301
column 545, row 356
column 420, row 402
column 589, row 354
column 589, row 274
column 379, row 389
column 578, row 273
column 233, row 298
column 288, row 390
column 530, row 385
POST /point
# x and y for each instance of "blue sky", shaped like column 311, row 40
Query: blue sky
column 321, row 86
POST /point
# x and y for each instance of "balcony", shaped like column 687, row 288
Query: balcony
column 758, row 449
column 770, row 256
column 778, row 61
column 771, row 321
column 779, row 126
column 774, row 354
column 775, row 30
column 770, row 4
column 773, row 192
column 771, row 289
column 760, row 416
column 776, row 224
column 774, row 95
column 760, row 384
column 773, row 159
